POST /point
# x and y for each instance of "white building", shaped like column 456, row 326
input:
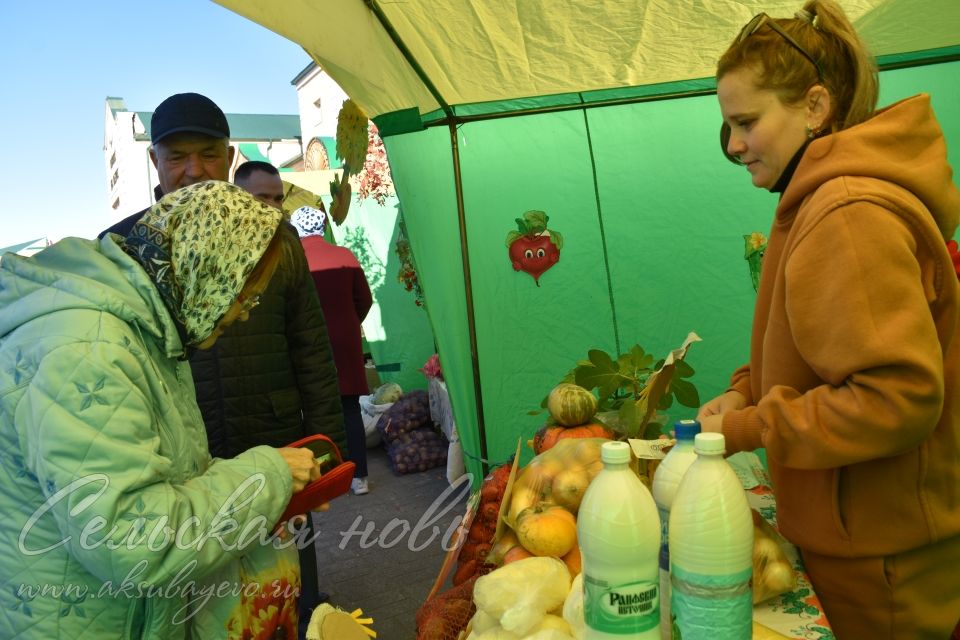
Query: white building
column 132, row 178
column 319, row 99
column 27, row 248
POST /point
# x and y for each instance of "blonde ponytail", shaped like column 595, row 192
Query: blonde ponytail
column 850, row 69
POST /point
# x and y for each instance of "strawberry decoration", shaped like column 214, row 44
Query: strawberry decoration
column 534, row 248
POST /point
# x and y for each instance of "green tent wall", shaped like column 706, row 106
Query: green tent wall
column 398, row 332
column 652, row 218
column 617, row 141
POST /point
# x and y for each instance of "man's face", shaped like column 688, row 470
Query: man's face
column 265, row 187
column 186, row 158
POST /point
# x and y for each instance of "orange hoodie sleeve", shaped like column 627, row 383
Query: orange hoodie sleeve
column 857, row 303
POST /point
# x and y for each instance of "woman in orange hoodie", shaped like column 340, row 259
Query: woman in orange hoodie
column 853, row 382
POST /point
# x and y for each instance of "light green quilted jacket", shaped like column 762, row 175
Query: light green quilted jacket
column 111, row 508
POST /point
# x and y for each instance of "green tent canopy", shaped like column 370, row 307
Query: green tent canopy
column 602, row 115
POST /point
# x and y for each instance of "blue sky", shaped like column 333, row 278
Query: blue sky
column 60, row 59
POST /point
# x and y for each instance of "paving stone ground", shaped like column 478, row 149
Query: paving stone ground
column 382, row 551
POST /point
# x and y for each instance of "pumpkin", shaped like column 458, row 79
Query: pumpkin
column 548, row 435
column 547, row 530
column 570, row 404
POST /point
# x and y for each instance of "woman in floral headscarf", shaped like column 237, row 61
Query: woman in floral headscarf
column 115, row 518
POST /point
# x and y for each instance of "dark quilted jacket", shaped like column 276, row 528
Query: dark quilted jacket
column 271, row 380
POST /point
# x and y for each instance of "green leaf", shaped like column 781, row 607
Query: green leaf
column 636, row 364
column 536, row 221
column 642, row 410
column 604, row 374
column 512, row 237
column 556, row 239
column 586, row 376
column 652, row 431
column 666, row 401
column 640, row 359
column 682, row 369
column 685, row 392
column 522, row 226
column 601, row 359
column 629, row 419
column 608, row 404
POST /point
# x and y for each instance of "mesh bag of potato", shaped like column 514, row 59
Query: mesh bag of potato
column 446, row 615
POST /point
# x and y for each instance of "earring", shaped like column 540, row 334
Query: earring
column 812, row 131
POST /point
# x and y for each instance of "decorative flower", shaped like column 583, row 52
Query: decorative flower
column 756, row 241
column 755, row 244
column 375, row 180
column 431, row 368
column 270, row 612
column 407, row 274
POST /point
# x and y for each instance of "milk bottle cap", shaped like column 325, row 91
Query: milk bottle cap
column 615, row 452
column 686, row 429
column 709, row 443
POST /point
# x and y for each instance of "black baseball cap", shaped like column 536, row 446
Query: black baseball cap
column 188, row 112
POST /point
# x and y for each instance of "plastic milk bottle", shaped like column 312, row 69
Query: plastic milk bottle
column 666, row 481
column 711, row 549
column 619, row 536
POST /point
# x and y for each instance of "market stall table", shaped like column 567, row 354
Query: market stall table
column 795, row 615
column 798, row 613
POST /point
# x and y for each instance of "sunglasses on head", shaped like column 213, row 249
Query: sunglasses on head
column 756, row 23
column 760, row 20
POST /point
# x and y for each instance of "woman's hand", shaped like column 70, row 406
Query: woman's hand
column 712, row 424
column 729, row 401
column 304, row 468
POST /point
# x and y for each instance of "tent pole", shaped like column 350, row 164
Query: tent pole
column 468, row 295
column 408, row 55
column 461, row 219
column 603, row 233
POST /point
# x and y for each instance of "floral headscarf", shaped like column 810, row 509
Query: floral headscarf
column 199, row 245
column 308, row 221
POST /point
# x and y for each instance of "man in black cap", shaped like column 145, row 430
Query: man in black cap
column 270, row 380
column 190, row 141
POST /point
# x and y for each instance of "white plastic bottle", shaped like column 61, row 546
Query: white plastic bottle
column 618, row 531
column 666, row 481
column 711, row 549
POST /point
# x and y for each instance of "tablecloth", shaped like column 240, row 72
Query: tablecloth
column 797, row 614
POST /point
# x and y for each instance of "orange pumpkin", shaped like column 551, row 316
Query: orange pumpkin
column 570, row 404
column 547, row 530
column 548, row 436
